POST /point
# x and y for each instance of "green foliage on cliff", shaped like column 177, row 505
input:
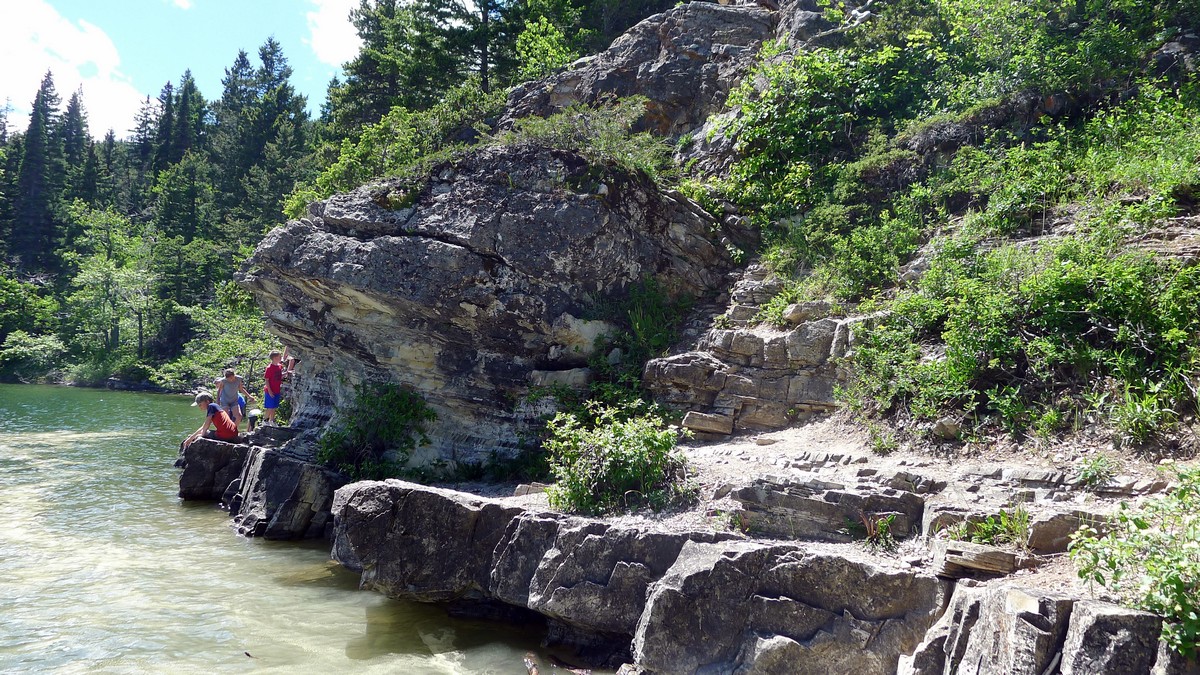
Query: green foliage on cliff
column 915, row 133
column 609, row 460
column 373, row 437
column 1149, row 556
column 401, row 142
column 1078, row 328
column 604, row 134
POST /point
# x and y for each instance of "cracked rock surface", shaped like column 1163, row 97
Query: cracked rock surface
column 474, row 285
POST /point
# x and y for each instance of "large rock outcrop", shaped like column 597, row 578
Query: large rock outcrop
column 684, row 61
column 676, row 602
column 473, row 285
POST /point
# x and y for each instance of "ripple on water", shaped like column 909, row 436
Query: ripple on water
column 103, row 570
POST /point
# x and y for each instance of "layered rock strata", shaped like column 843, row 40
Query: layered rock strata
column 475, row 285
column 674, row 602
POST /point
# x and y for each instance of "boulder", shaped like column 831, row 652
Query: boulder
column 282, row 495
column 471, row 287
column 1105, row 638
column 684, row 61
column 753, row 608
column 209, row 466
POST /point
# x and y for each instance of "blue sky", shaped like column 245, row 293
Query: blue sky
column 119, row 51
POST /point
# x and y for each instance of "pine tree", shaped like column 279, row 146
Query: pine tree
column 190, row 122
column 35, row 229
column 405, row 60
column 164, row 134
column 230, row 150
column 74, row 131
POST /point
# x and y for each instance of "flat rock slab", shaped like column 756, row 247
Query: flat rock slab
column 952, row 558
column 676, row 601
column 810, row 508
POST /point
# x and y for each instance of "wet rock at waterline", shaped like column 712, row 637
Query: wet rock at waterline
column 474, row 285
column 270, row 484
column 674, row 601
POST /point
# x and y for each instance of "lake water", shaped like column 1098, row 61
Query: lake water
column 103, row 569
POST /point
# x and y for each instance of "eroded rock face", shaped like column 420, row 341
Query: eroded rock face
column 684, row 61
column 475, row 288
column 674, row 601
column 751, row 608
column 1006, row 629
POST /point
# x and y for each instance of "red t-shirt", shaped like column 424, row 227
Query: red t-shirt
column 223, row 424
column 274, row 377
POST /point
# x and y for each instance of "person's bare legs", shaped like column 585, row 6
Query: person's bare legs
column 235, row 412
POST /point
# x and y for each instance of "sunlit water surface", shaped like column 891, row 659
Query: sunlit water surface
column 103, row 569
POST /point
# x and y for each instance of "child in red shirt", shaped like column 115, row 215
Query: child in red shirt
column 273, row 389
column 224, row 428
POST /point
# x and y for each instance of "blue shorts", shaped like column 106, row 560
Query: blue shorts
column 271, row 401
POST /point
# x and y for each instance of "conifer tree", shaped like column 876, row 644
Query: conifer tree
column 164, row 134
column 35, row 229
column 190, row 121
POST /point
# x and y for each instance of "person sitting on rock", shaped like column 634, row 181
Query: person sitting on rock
column 223, row 426
column 228, row 388
column 273, row 386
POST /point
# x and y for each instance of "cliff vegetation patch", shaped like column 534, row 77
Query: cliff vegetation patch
column 1149, row 557
column 610, row 460
column 373, row 438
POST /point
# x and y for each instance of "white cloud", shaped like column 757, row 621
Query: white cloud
column 35, row 38
column 331, row 35
column 182, row 4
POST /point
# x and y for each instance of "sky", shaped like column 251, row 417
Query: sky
column 120, row 51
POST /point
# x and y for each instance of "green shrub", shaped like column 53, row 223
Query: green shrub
column 604, row 134
column 1149, row 557
column 615, row 462
column 29, row 357
column 399, row 144
column 1096, row 472
column 1023, row 331
column 1006, row 528
column 374, row 437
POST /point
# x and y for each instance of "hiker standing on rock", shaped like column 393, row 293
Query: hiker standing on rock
column 273, row 386
column 228, row 388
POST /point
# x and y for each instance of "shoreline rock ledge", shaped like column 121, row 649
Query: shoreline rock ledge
column 667, row 601
column 636, row 593
column 655, row 600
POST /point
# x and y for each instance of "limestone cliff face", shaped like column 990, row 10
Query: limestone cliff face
column 474, row 285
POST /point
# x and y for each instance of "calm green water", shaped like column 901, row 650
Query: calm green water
column 103, row 569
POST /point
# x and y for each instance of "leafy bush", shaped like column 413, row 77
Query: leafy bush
column 615, row 462
column 29, row 357
column 374, row 437
column 1149, row 557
